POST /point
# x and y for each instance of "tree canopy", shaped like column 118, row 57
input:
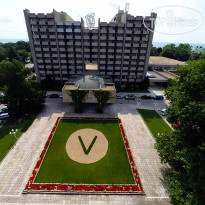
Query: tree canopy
column 20, row 95
column 184, row 149
column 19, row 51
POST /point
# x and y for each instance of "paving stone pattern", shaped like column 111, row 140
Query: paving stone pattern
column 17, row 166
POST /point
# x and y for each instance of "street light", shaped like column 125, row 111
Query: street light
column 13, row 132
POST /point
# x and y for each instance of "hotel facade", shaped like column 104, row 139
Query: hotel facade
column 63, row 49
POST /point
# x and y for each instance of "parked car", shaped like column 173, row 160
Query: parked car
column 53, row 96
column 146, row 97
column 163, row 112
column 4, row 116
column 158, row 97
column 130, row 97
column 4, row 109
column 118, row 96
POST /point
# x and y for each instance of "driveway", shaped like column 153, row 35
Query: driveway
column 17, row 166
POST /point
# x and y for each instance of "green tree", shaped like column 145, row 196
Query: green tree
column 184, row 149
column 22, row 45
column 169, row 51
column 23, row 54
column 78, row 97
column 183, row 52
column 102, row 98
column 20, row 95
column 2, row 53
column 154, row 51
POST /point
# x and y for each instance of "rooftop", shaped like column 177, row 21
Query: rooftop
column 159, row 60
column 89, row 81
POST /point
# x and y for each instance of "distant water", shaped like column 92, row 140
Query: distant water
column 162, row 44
column 8, row 40
column 155, row 44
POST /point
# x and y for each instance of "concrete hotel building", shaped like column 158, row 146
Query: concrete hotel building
column 62, row 48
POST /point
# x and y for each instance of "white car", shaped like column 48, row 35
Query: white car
column 4, row 116
column 163, row 112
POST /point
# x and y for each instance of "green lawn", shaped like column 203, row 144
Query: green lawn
column 7, row 140
column 154, row 122
column 113, row 168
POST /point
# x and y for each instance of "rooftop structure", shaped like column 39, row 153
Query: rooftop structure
column 91, row 83
column 62, row 47
column 160, row 63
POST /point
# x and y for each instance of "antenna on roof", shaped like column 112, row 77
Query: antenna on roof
column 127, row 7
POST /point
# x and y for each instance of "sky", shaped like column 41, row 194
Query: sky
column 192, row 12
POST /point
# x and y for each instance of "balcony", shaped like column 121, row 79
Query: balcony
column 42, row 22
column 60, row 30
column 69, row 43
column 44, row 36
column 137, row 32
column 103, row 37
column 142, row 57
column 111, row 50
column 61, row 37
column 128, row 31
column 143, row 45
column 47, row 55
column 103, row 31
column 34, row 22
column 43, row 29
column 49, row 72
column 36, row 43
column 54, row 49
column 53, row 43
column 51, row 30
column 34, row 29
column 77, row 37
column 64, row 72
column 45, row 49
column 45, row 43
column 68, row 30
column 61, row 43
column 120, row 38
column 136, row 45
column 51, row 23
column 128, row 38
column 52, row 36
column 62, row 49
column 120, row 31
column 47, row 61
column 39, row 55
column 94, row 44
column 76, row 30
column 36, row 36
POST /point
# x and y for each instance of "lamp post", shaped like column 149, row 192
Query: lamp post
column 13, row 132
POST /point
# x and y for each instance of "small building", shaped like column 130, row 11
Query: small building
column 198, row 49
column 163, row 63
column 90, row 82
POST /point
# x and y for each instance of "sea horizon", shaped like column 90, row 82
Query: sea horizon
column 155, row 44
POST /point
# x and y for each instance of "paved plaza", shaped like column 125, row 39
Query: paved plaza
column 17, row 166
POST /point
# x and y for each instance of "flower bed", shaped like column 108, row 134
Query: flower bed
column 89, row 188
